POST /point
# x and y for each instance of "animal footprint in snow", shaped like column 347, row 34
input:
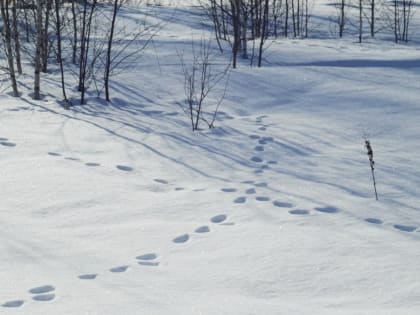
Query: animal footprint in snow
column 7, row 144
column 3, row 139
column 89, row 276
column 405, row 228
column 91, row 164
column 299, row 212
column 250, row 191
column 262, row 198
column 202, row 229
column 44, row 297
column 218, row 218
column 259, row 148
column 256, row 159
column 282, row 204
column 254, row 137
column 42, row 289
column 148, row 260
column 54, row 154
column 181, row 239
column 327, row 209
column 124, row 168
column 240, row 200
column 119, row 269
column 373, row 221
column 14, row 303
column 229, row 190
column 263, row 184
column 42, row 293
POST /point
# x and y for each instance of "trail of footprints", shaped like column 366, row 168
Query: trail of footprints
column 43, row 293
column 46, row 293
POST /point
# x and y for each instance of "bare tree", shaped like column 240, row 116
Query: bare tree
column 38, row 47
column 203, row 78
column 59, row 51
column 4, row 7
column 117, row 4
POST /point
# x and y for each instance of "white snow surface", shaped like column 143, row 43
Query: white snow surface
column 121, row 209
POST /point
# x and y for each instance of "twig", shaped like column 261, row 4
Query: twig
column 372, row 164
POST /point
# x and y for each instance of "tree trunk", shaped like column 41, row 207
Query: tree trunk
column 37, row 61
column 16, row 38
column 59, row 57
column 8, row 42
column 108, row 52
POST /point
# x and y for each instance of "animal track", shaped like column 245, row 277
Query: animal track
column 91, row 164
column 124, row 168
column 119, row 269
column 3, row 139
column 405, row 228
column 254, row 137
column 148, row 263
column 15, row 303
column 218, row 218
column 256, row 159
column 202, row 229
column 54, row 154
column 42, row 293
column 373, row 221
column 7, row 144
column 261, row 184
column 299, row 212
column 147, row 260
column 181, row 239
column 44, row 297
column 250, row 191
column 240, row 200
column 149, row 256
column 282, row 204
column 179, row 188
column 229, row 190
column 42, row 289
column 262, row 198
column 259, row 148
column 327, row 209
column 89, row 276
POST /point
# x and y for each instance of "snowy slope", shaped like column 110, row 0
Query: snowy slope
column 121, row 209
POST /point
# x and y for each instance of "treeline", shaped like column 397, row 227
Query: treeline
column 247, row 24
column 78, row 36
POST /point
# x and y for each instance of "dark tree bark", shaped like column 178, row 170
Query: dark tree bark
column 4, row 7
column 109, row 49
column 59, row 55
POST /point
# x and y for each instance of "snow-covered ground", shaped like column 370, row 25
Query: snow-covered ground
column 121, row 209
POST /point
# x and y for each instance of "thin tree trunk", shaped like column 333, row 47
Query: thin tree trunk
column 45, row 40
column 7, row 38
column 37, row 60
column 264, row 31
column 108, row 53
column 59, row 56
column 74, row 44
column 16, row 38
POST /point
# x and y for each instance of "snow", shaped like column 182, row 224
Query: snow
column 121, row 209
